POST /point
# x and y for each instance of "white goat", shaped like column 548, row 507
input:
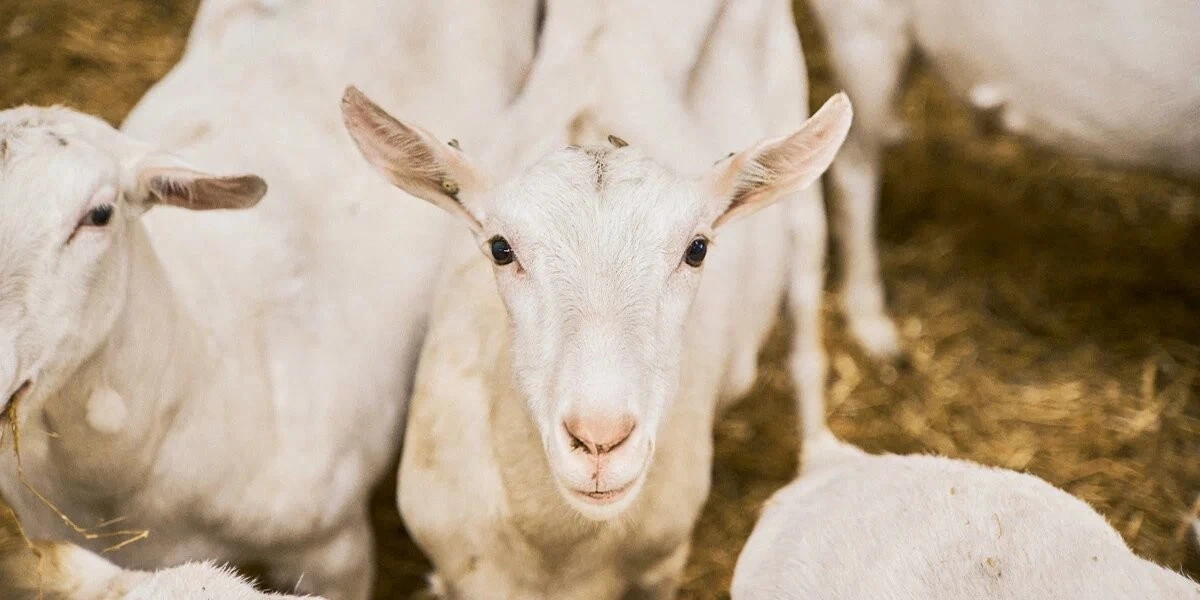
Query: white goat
column 749, row 80
column 560, row 432
column 855, row 525
column 40, row 570
column 1112, row 79
column 743, row 78
column 233, row 382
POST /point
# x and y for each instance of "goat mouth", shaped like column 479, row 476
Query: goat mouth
column 9, row 402
column 606, row 496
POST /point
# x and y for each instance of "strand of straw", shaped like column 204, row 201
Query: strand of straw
column 130, row 535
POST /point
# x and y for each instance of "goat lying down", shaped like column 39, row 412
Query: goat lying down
column 856, row 525
column 54, row 571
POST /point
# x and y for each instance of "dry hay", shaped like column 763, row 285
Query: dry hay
column 1051, row 307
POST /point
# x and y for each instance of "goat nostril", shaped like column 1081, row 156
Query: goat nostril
column 577, row 443
column 599, row 436
column 619, row 438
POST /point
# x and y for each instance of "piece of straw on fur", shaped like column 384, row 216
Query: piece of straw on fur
column 88, row 533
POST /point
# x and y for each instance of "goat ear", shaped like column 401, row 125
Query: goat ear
column 413, row 159
column 755, row 178
column 163, row 179
column 194, row 190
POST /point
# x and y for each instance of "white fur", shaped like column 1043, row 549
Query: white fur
column 41, row 570
column 234, row 381
column 1109, row 79
column 751, row 81
column 598, row 314
column 199, row 581
column 856, row 525
column 72, row 573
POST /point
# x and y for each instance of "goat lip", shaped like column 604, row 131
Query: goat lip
column 604, row 497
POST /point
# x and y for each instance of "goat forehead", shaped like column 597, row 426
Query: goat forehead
column 54, row 119
column 604, row 250
column 27, row 133
column 50, row 180
column 599, row 204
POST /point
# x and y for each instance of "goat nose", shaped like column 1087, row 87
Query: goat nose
column 599, row 435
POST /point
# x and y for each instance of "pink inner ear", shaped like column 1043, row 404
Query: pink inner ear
column 194, row 190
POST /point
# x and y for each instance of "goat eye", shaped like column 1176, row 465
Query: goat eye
column 502, row 253
column 696, row 251
column 97, row 217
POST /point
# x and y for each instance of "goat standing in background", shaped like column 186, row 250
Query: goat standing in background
column 1109, row 79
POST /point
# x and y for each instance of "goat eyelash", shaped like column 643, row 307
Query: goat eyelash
column 96, row 217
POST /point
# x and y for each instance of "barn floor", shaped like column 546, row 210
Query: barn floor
column 1051, row 308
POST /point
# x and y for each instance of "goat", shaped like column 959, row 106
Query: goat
column 1106, row 79
column 234, row 382
column 559, row 440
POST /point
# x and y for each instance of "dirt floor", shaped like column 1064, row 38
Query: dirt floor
column 1051, row 307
